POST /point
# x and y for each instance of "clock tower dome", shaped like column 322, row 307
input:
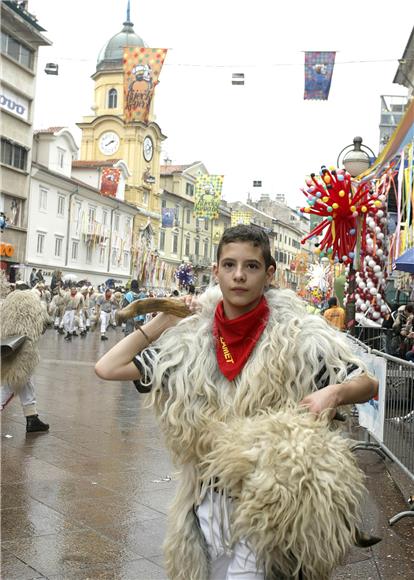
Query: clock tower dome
column 106, row 135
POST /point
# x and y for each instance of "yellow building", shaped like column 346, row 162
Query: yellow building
column 106, row 136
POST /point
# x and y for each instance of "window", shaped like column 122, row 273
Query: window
column 61, row 157
column 206, row 224
column 13, row 155
column 112, row 99
column 89, row 253
column 91, row 215
column 16, row 50
column 127, row 226
column 102, row 254
column 75, row 249
column 42, row 200
column 126, row 259
column 104, row 217
column 145, row 198
column 189, row 189
column 58, row 247
column 61, row 205
column 187, row 246
column 162, row 240
column 40, row 243
column 116, row 222
column 174, row 243
column 78, row 210
column 196, row 247
column 206, row 248
column 188, row 216
column 164, row 203
column 113, row 258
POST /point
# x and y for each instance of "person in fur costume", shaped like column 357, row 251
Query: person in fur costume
column 22, row 313
column 245, row 390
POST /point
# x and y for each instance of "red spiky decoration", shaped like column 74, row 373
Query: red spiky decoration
column 332, row 196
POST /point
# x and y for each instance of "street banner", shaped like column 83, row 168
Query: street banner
column 142, row 68
column 207, row 196
column 372, row 414
column 167, row 217
column 109, row 181
column 318, row 74
column 240, row 217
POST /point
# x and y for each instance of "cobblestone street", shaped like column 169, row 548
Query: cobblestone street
column 89, row 498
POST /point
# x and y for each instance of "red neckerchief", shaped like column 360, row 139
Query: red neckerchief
column 235, row 339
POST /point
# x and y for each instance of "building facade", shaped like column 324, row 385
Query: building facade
column 72, row 226
column 21, row 37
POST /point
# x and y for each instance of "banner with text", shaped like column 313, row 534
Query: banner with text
column 109, row 181
column 142, row 68
column 318, row 74
column 207, row 196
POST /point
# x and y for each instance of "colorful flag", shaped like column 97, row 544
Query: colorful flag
column 167, row 217
column 207, row 195
column 318, row 74
column 109, row 181
column 240, row 217
column 142, row 67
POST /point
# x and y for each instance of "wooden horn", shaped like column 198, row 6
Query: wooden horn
column 146, row 305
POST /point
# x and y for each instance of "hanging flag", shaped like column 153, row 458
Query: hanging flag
column 142, row 67
column 109, row 181
column 318, row 74
column 240, row 217
column 168, row 217
column 207, row 195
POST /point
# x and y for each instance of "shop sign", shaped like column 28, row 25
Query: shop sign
column 10, row 101
column 6, row 250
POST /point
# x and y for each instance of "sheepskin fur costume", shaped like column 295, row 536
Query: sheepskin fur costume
column 203, row 415
column 22, row 313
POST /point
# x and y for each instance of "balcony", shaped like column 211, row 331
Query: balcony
column 200, row 261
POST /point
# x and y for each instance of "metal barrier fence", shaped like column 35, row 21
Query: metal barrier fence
column 398, row 433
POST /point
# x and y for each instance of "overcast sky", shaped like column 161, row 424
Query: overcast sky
column 262, row 131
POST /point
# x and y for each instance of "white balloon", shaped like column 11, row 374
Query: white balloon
column 384, row 308
column 380, row 236
column 373, row 291
column 380, row 213
column 372, row 263
column 376, row 315
column 363, row 307
column 362, row 285
column 380, row 252
column 359, row 302
column 377, row 268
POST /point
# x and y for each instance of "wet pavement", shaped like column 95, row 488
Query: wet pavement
column 89, row 499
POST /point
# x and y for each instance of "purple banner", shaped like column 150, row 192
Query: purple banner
column 318, row 74
column 168, row 217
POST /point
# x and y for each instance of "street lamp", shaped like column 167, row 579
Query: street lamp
column 355, row 160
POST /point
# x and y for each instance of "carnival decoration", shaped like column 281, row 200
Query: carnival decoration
column 319, row 278
column 344, row 208
column 318, row 74
column 142, row 68
column 240, row 217
column 207, row 195
column 109, row 181
column 184, row 274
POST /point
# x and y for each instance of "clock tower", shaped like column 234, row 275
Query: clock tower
column 107, row 136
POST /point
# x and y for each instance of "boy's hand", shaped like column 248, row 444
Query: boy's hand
column 322, row 400
column 191, row 302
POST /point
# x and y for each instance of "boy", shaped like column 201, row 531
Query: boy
column 248, row 350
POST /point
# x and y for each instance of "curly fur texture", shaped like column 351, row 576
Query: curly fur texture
column 190, row 393
column 296, row 489
column 22, row 314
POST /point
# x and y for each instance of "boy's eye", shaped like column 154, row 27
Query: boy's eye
column 253, row 266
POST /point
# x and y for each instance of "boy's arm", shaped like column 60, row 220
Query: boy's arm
column 360, row 389
column 117, row 364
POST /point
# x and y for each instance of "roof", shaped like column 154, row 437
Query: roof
column 170, row 169
column 103, row 163
column 111, row 55
column 51, row 130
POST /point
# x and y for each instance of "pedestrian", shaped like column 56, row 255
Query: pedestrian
column 104, row 306
column 56, row 279
column 233, row 386
column 39, row 276
column 33, row 278
column 73, row 303
column 22, row 315
column 334, row 314
column 132, row 295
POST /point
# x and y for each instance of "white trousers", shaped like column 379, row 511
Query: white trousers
column 26, row 394
column 235, row 563
column 69, row 321
column 105, row 316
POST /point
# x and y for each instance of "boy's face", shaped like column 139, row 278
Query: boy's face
column 242, row 277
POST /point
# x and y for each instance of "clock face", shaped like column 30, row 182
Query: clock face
column 109, row 143
column 148, row 148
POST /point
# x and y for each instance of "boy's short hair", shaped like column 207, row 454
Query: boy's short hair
column 333, row 301
column 246, row 233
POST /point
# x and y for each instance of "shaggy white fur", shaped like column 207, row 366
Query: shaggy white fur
column 190, row 394
column 22, row 313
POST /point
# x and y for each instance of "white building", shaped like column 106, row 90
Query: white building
column 72, row 226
